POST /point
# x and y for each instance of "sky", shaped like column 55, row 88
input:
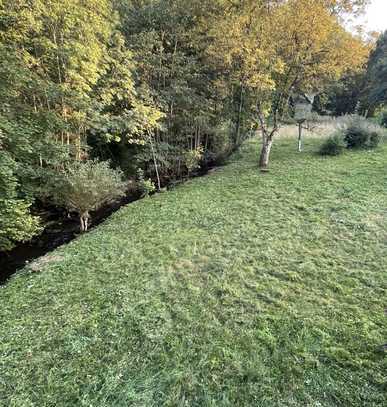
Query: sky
column 376, row 16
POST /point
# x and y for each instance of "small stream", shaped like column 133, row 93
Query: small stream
column 60, row 230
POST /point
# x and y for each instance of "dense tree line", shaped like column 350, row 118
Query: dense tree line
column 157, row 87
column 362, row 91
column 376, row 75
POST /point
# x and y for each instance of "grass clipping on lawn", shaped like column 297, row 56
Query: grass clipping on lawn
column 236, row 288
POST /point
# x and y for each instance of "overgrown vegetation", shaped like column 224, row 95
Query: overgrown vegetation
column 376, row 76
column 352, row 132
column 87, row 186
column 383, row 118
column 359, row 92
column 333, row 145
column 146, row 186
column 360, row 133
column 234, row 289
column 16, row 223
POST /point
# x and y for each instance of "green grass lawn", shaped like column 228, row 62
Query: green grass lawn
column 234, row 289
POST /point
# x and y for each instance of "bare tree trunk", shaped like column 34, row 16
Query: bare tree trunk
column 155, row 163
column 299, row 137
column 34, row 99
column 78, row 146
column 267, row 140
column 84, row 221
column 265, row 153
column 178, row 168
column 239, row 124
column 161, row 76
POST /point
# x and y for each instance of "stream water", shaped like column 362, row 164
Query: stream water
column 60, row 230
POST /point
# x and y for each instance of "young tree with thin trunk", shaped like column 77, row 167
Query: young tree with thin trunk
column 87, row 186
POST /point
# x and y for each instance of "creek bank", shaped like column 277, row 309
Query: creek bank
column 62, row 228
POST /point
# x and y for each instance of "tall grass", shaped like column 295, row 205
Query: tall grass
column 325, row 126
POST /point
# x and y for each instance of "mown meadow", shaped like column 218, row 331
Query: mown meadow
column 238, row 288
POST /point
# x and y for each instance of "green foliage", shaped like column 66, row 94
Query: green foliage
column 64, row 52
column 344, row 96
column 119, row 114
column 192, row 159
column 161, row 85
column 383, row 118
column 65, row 74
column 221, row 142
column 87, row 186
column 16, row 223
column 212, row 295
column 374, row 139
column 360, row 133
column 28, row 157
column 356, row 136
column 146, row 186
column 169, row 44
column 333, row 146
column 377, row 73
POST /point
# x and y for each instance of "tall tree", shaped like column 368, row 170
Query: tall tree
column 168, row 39
column 64, row 72
column 62, row 44
column 377, row 73
column 310, row 49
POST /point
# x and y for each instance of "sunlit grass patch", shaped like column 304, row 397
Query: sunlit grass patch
column 237, row 288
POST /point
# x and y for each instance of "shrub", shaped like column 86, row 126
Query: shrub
column 16, row 222
column 360, row 133
column 383, row 118
column 356, row 137
column 192, row 159
column 87, row 186
column 332, row 146
column 146, row 186
column 374, row 139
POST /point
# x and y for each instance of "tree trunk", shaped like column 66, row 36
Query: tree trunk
column 155, row 163
column 82, row 225
column 265, row 153
column 84, row 221
column 299, row 137
column 267, row 139
column 239, row 121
